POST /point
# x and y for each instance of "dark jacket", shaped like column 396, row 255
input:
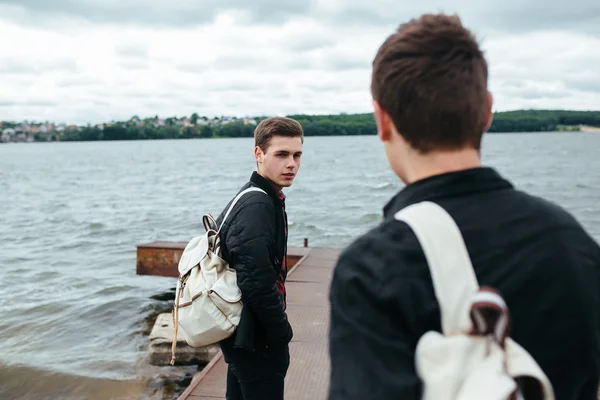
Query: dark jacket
column 254, row 243
column 540, row 259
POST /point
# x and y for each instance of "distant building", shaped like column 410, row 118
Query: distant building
column 47, row 128
column 24, row 128
column 7, row 135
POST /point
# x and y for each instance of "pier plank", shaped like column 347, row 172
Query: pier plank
column 308, row 311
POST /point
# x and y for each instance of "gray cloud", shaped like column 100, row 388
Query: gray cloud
column 246, row 86
column 134, row 64
column 585, row 85
column 183, row 13
column 139, row 95
column 17, row 67
column 267, row 60
column 543, row 94
column 239, row 60
column 77, row 81
column 514, row 84
column 132, row 50
column 320, row 86
column 29, row 103
column 308, row 41
column 32, row 65
column 500, row 15
column 582, row 16
column 193, row 67
column 40, row 103
column 348, row 63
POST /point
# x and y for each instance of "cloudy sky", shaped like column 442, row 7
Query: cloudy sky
column 80, row 61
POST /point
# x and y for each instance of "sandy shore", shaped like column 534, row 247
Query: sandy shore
column 587, row 128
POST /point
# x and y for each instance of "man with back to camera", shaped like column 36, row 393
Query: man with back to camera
column 254, row 239
column 431, row 106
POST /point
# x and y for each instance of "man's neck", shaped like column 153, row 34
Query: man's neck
column 277, row 188
column 440, row 162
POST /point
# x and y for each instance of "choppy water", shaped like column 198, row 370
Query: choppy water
column 73, row 312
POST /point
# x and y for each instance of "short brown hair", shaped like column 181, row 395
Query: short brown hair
column 276, row 126
column 430, row 76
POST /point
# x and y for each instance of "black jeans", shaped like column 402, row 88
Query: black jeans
column 257, row 376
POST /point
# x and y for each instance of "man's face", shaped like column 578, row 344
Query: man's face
column 281, row 161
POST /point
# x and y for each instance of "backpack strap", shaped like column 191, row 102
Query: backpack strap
column 464, row 307
column 235, row 200
column 454, row 280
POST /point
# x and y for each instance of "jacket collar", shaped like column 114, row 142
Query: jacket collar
column 258, row 180
column 458, row 183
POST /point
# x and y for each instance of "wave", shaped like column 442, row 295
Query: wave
column 114, row 290
column 23, row 382
column 76, row 306
column 371, row 217
column 382, row 186
column 96, row 225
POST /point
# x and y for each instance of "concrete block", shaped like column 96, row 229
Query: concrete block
column 161, row 339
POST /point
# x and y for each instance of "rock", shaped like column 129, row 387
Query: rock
column 161, row 339
column 170, row 383
column 165, row 296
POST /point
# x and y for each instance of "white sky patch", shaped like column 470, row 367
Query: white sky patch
column 68, row 68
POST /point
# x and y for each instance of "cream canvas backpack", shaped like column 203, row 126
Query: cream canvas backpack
column 208, row 302
column 473, row 358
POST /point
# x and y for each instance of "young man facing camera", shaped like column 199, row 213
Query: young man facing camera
column 254, row 240
column 432, row 105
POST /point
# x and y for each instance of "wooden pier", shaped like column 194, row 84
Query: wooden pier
column 307, row 286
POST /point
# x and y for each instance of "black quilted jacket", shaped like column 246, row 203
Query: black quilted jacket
column 544, row 264
column 254, row 243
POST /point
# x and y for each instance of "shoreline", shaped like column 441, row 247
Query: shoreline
column 589, row 129
column 573, row 129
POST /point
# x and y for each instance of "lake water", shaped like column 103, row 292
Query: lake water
column 73, row 311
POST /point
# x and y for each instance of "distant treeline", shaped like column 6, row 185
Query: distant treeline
column 542, row 120
column 329, row 125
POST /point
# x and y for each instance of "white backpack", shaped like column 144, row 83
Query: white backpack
column 208, row 302
column 473, row 358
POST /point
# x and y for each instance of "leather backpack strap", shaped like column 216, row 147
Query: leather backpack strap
column 454, row 280
column 235, row 200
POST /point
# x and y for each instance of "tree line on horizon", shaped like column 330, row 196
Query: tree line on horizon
column 329, row 125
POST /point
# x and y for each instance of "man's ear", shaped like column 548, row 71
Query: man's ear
column 490, row 113
column 258, row 154
column 383, row 120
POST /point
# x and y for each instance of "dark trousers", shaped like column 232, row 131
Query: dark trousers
column 258, row 375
